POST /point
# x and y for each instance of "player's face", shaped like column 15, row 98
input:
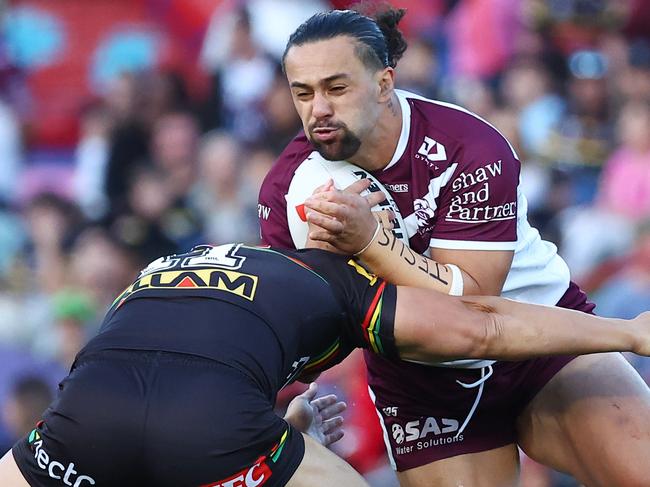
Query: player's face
column 335, row 94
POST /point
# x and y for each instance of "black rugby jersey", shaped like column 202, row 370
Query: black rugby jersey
column 272, row 313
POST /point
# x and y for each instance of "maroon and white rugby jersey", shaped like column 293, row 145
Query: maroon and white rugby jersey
column 455, row 181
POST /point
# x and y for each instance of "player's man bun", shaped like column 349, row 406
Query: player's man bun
column 395, row 42
column 372, row 25
column 387, row 19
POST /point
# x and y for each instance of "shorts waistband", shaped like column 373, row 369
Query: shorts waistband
column 145, row 357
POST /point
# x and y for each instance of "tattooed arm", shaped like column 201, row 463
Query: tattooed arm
column 393, row 260
column 343, row 219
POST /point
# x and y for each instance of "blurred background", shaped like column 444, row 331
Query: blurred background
column 130, row 129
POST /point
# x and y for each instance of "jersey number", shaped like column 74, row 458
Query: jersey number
column 221, row 257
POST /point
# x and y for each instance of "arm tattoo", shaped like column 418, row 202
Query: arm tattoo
column 436, row 276
column 394, row 241
column 424, row 267
column 386, row 235
column 388, row 238
column 425, row 263
column 412, row 256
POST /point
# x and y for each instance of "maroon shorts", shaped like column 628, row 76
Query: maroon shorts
column 422, row 409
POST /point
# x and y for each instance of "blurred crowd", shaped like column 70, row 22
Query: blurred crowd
column 157, row 166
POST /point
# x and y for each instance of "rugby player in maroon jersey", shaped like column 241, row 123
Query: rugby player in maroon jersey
column 454, row 179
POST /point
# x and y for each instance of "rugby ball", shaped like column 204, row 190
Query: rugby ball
column 316, row 171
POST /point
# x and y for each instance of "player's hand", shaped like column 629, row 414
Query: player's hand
column 641, row 325
column 317, row 417
column 320, row 244
column 343, row 218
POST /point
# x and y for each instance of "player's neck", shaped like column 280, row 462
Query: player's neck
column 377, row 151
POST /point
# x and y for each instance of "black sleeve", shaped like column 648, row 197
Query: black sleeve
column 368, row 300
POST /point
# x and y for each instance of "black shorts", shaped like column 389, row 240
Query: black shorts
column 157, row 418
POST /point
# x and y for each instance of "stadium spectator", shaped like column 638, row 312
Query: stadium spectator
column 419, row 68
column 625, row 182
column 74, row 312
column 29, row 397
column 243, row 74
column 100, row 267
column 91, row 161
column 219, row 195
column 280, row 124
column 51, row 222
column 154, row 221
column 623, row 196
column 626, row 285
column 583, row 138
column 10, row 152
column 174, row 138
column 129, row 137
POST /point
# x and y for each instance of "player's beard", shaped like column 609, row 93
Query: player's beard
column 339, row 149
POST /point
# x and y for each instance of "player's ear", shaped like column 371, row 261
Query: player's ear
column 386, row 79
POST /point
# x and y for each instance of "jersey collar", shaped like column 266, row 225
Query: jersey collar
column 406, row 128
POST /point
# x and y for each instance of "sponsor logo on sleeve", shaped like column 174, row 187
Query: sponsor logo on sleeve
column 263, row 211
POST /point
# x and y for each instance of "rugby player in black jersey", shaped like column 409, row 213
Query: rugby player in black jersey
column 179, row 385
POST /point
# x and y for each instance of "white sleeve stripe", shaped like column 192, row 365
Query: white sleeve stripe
column 471, row 245
column 389, row 449
column 404, row 134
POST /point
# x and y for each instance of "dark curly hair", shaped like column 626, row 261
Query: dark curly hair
column 379, row 42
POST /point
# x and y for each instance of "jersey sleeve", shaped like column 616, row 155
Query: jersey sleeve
column 369, row 301
column 272, row 213
column 272, row 203
column 478, row 207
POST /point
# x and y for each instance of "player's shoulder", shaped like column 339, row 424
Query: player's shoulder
column 341, row 272
column 454, row 126
column 329, row 267
column 318, row 258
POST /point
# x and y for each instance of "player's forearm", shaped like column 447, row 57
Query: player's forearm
column 391, row 259
column 514, row 331
column 430, row 327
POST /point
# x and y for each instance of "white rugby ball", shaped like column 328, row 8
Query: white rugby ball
column 316, row 171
